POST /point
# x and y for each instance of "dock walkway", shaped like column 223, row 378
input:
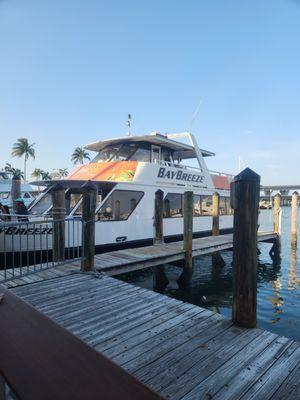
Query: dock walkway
column 121, row 261
column 180, row 350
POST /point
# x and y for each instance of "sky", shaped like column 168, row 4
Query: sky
column 71, row 71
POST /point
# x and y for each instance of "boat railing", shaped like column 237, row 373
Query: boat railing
column 28, row 246
column 218, row 173
column 176, row 165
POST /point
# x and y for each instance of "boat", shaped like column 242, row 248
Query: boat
column 27, row 191
column 127, row 172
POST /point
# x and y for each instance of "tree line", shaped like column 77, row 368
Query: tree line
column 22, row 148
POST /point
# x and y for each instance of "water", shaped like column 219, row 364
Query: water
column 278, row 295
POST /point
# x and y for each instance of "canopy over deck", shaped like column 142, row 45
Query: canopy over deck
column 184, row 150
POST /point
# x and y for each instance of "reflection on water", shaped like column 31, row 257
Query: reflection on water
column 278, row 296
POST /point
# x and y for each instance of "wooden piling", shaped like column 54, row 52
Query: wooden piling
column 158, row 217
column 245, row 203
column 58, row 215
column 89, row 197
column 15, row 191
column 215, row 214
column 188, row 205
column 294, row 219
column 277, row 206
column 217, row 259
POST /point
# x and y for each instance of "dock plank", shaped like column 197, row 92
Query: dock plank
column 180, row 350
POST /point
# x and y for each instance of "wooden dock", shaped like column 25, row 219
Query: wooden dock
column 180, row 350
column 121, row 261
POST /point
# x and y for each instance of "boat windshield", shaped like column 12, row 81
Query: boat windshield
column 42, row 205
column 124, row 152
column 119, row 152
column 107, row 154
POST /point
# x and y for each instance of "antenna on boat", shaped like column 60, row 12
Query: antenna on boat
column 195, row 115
column 128, row 123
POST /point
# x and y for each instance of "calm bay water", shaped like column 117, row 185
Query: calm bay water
column 278, row 284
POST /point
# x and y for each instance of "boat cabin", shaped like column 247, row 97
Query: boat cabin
column 148, row 148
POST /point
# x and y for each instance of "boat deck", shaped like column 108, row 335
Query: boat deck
column 180, row 350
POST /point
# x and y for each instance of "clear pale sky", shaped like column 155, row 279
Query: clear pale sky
column 71, row 71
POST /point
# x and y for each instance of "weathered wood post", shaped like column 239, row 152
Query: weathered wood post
column 15, row 191
column 294, row 219
column 217, row 260
column 276, row 248
column 160, row 278
column 215, row 214
column 89, row 197
column 188, row 206
column 58, row 215
column 277, row 206
column 245, row 201
column 158, row 217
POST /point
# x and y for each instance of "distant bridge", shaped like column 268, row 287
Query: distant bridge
column 281, row 187
column 285, row 191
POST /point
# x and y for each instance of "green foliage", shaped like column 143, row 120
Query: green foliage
column 79, row 155
column 46, row 176
column 15, row 173
column 23, row 148
column 37, row 173
column 63, row 172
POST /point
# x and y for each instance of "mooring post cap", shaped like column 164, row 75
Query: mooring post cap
column 159, row 191
column 247, row 175
column 295, row 193
column 57, row 187
column 89, row 185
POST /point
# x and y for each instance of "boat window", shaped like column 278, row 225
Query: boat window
column 173, row 205
column 119, row 205
column 229, row 210
column 197, row 206
column 206, row 205
column 4, row 195
column 222, row 206
column 124, row 153
column 155, row 153
column 72, row 199
column 166, row 155
column 107, row 153
column 141, row 154
column 42, row 205
column 26, row 195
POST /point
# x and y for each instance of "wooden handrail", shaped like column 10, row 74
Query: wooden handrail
column 41, row 360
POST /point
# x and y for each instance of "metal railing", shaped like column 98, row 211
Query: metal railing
column 26, row 247
column 218, row 173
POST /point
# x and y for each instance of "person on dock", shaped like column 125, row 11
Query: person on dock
column 5, row 214
column 21, row 209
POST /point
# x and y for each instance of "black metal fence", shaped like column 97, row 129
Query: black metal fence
column 27, row 246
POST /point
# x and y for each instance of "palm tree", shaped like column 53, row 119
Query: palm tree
column 37, row 173
column 79, row 155
column 8, row 168
column 23, row 148
column 16, row 173
column 46, row 176
column 63, row 172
